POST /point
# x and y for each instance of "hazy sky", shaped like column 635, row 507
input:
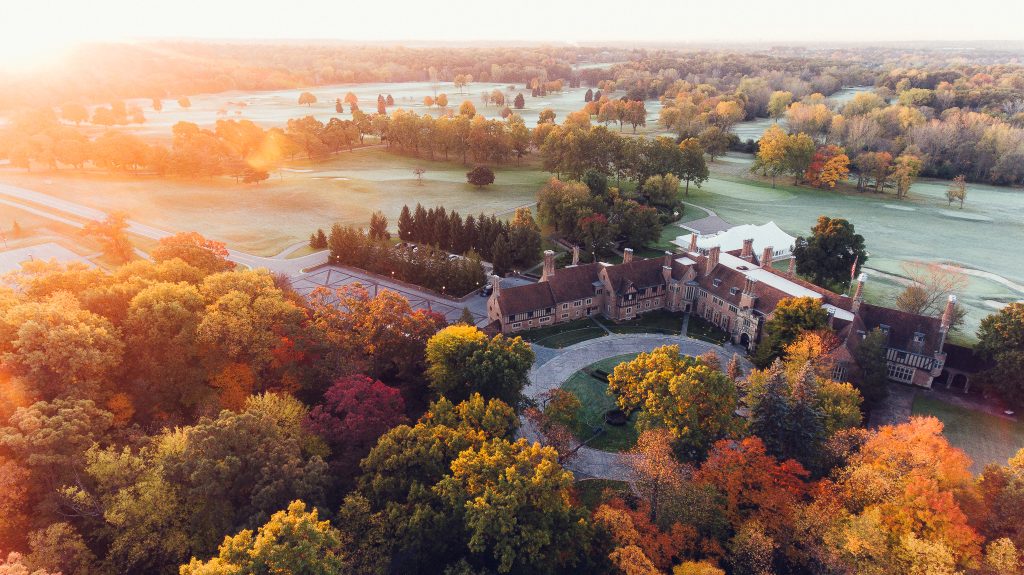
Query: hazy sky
column 31, row 28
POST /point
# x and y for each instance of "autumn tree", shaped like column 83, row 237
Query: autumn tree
column 904, row 172
column 208, row 255
column 111, row 233
column 74, row 112
column 832, row 254
column 931, row 285
column 800, row 150
column 293, row 541
column 462, row 360
column 828, row 167
column 771, row 152
column 778, row 104
column 356, row 410
column 307, row 99
column 654, row 468
column 791, row 317
column 524, row 237
column 1001, row 341
column 690, row 398
column 480, row 176
column 957, row 191
column 379, row 226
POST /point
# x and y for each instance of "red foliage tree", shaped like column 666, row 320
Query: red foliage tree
column 356, row 411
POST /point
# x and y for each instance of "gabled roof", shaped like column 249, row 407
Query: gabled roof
column 902, row 326
column 524, row 298
column 640, row 273
column 574, row 282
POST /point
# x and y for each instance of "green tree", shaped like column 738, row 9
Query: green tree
column 833, row 253
column 480, row 176
column 379, row 226
column 872, row 377
column 60, row 546
column 208, row 255
column 405, row 225
column 770, row 407
column 524, row 237
column 693, row 167
column 778, row 103
column 501, row 255
column 1001, row 341
column 513, row 501
column 292, row 541
column 799, row 153
column 462, row 361
column 791, row 318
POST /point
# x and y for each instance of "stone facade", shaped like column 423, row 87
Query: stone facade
column 735, row 291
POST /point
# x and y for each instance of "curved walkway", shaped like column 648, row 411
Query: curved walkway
column 555, row 371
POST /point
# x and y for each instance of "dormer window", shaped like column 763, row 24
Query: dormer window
column 918, row 337
column 717, row 282
column 884, row 329
column 733, row 291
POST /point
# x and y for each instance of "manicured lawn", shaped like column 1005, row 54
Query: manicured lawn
column 595, row 401
column 591, row 491
column 658, row 321
column 985, row 438
column 564, row 335
column 700, row 328
column 265, row 218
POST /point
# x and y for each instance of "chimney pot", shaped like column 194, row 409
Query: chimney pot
column 748, row 249
column 495, row 285
column 575, row 255
column 627, row 255
column 668, row 259
column 766, row 257
column 549, row 266
column 693, row 243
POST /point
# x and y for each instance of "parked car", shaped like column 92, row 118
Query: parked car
column 487, row 290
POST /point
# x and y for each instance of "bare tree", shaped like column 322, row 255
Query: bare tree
column 931, row 284
column 419, row 174
column 957, row 190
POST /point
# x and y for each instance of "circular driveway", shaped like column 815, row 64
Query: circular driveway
column 552, row 373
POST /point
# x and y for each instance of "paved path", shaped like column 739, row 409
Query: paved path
column 11, row 260
column 552, row 373
column 711, row 224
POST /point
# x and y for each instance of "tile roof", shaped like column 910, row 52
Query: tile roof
column 524, row 298
column 574, row 282
column 640, row 273
column 902, row 326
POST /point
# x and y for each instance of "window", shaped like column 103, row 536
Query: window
column 629, row 310
column 839, row 372
column 565, row 306
column 733, row 309
column 717, row 282
column 734, row 290
column 657, row 301
column 647, row 304
column 545, row 319
column 565, row 316
column 718, row 301
column 903, row 373
column 918, row 337
column 517, row 325
column 577, row 303
column 590, row 300
column 884, row 328
column 511, row 318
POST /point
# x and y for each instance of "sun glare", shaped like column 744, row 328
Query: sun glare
column 30, row 48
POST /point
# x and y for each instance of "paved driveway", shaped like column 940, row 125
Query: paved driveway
column 333, row 277
column 555, row 371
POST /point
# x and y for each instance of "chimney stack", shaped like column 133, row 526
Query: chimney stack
column 627, row 255
column 575, row 255
column 668, row 259
column 766, row 257
column 858, row 296
column 693, row 243
column 792, row 266
column 947, row 314
column 712, row 259
column 549, row 266
column 495, row 285
column 748, row 250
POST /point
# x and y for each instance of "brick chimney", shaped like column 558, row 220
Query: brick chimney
column 858, row 296
column 766, row 257
column 712, row 259
column 627, row 255
column 749, row 296
column 748, row 250
column 575, row 255
column 668, row 259
column 495, row 285
column 947, row 314
column 693, row 243
column 792, row 266
column 549, row 266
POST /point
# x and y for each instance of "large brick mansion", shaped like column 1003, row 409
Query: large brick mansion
column 735, row 290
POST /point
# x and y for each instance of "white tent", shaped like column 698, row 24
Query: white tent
column 732, row 239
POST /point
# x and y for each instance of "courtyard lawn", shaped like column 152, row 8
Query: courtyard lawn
column 595, row 401
column 700, row 328
column 265, row 218
column 658, row 321
column 985, row 438
column 919, row 228
column 565, row 334
column 591, row 491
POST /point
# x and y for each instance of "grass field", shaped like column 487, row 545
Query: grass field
column 918, row 228
column 265, row 218
column 564, row 335
column 985, row 438
column 595, row 401
column 658, row 321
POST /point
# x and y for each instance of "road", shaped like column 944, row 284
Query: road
column 24, row 199
column 555, row 371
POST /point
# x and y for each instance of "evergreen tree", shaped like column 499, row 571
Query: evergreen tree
column 405, row 225
column 420, row 224
column 872, row 378
column 589, row 96
column 379, row 226
column 806, row 419
column 524, row 237
column 456, row 239
column 466, row 317
column 501, row 258
column 469, row 233
column 321, row 239
column 440, row 231
column 770, row 410
column 390, row 101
